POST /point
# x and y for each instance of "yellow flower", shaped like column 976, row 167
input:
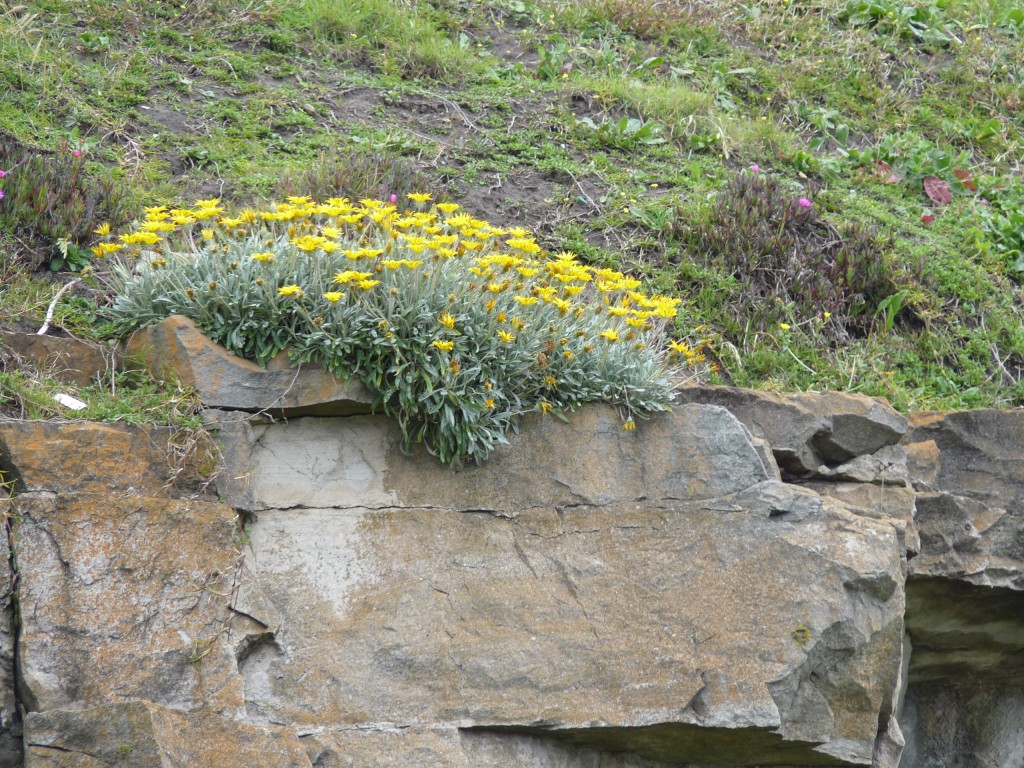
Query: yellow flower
column 350, row 276
column 610, row 334
column 419, row 197
column 785, row 326
column 828, row 315
column 308, row 243
column 447, row 320
column 263, row 257
column 544, row 406
column 103, row 229
column 506, row 336
column 290, row 290
column 526, row 300
column 489, row 402
column 332, row 232
column 334, row 296
column 629, row 426
column 445, row 346
column 147, row 238
column 207, row 234
column 447, row 207
column 367, row 284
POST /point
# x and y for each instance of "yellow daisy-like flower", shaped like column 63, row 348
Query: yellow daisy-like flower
column 611, row 334
column 629, row 426
column 103, row 229
column 544, row 406
column 445, row 346
column 265, row 257
column 506, row 336
column 334, row 296
column 419, row 197
column 290, row 290
column 332, row 232
column 447, row 207
column 207, row 234
column 785, row 326
column 367, row 284
column 146, row 238
column 447, row 320
column 526, row 300
column 350, row 276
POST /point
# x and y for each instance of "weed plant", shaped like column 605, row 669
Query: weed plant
column 54, row 201
column 786, row 260
column 459, row 326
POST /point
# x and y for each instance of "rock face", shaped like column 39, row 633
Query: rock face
column 660, row 605
column 588, row 598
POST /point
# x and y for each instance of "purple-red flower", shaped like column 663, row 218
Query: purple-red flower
column 755, row 168
column 2, row 174
column 1, row 194
column 77, row 153
column 394, row 198
column 803, row 202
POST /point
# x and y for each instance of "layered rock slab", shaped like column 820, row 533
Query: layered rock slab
column 695, row 452
column 87, row 457
column 175, row 345
column 124, row 598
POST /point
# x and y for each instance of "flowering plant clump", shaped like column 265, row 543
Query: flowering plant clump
column 458, row 325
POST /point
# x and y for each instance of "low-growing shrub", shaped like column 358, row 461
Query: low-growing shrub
column 459, row 326
column 789, row 261
column 52, row 202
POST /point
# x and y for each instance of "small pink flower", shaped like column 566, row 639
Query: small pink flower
column 1, row 194
column 394, row 198
column 2, row 174
column 77, row 153
column 803, row 202
column 755, row 168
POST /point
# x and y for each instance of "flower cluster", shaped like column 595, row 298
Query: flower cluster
column 458, row 324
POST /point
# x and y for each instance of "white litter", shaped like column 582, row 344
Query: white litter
column 70, row 402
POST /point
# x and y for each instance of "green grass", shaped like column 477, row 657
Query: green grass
column 489, row 104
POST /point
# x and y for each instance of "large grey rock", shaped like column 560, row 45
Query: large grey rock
column 762, row 626
column 696, row 452
column 125, row 598
column 143, row 735
column 808, row 431
column 222, row 380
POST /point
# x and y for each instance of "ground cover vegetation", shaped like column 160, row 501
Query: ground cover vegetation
column 831, row 188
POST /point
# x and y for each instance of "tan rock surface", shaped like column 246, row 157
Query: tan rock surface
column 62, row 357
column 142, row 735
column 124, row 598
column 87, row 457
